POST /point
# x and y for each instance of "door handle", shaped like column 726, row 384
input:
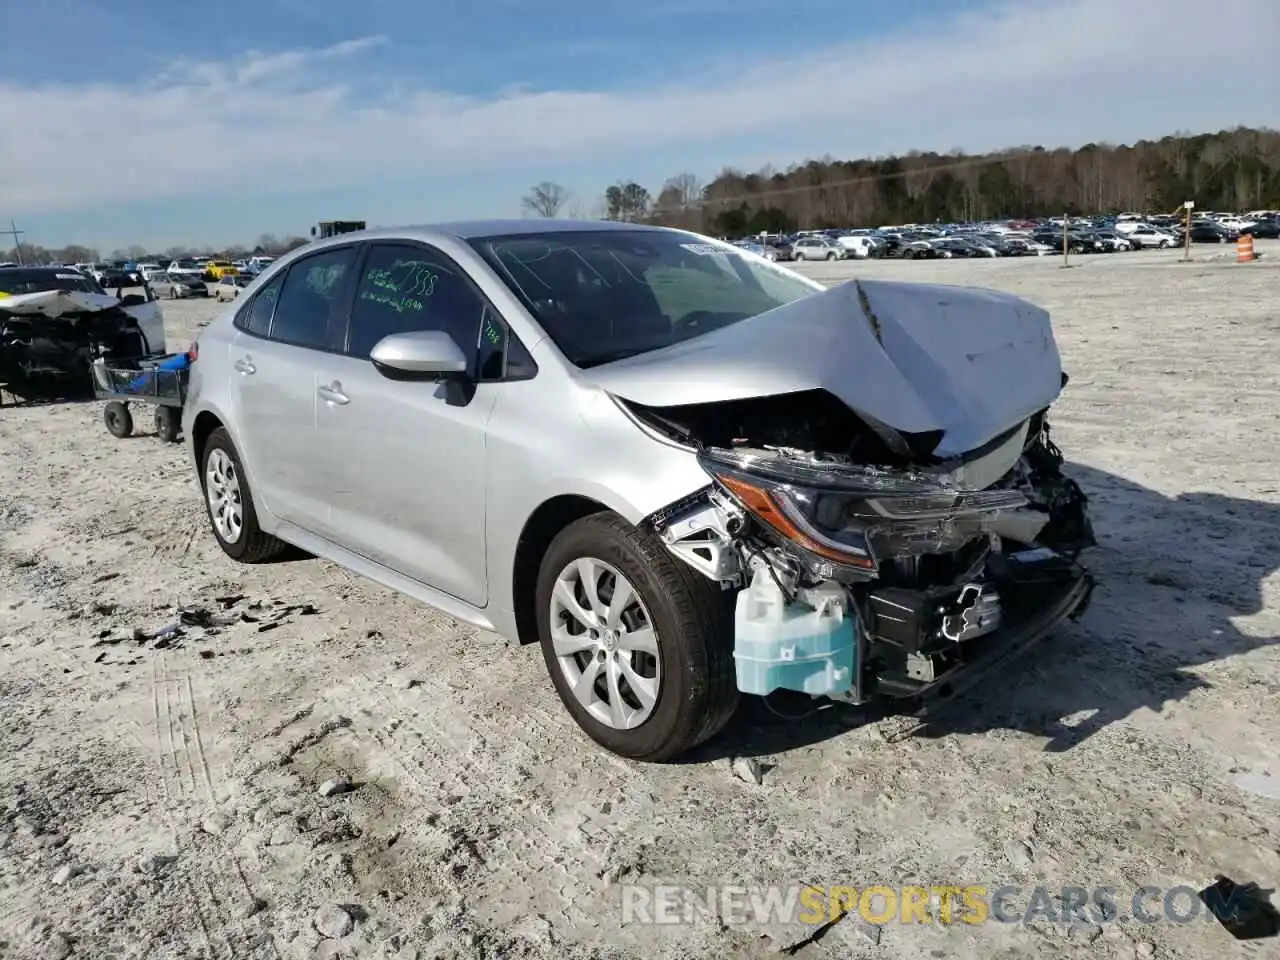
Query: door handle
column 246, row 366
column 333, row 393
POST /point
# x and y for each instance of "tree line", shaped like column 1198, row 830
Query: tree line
column 1231, row 170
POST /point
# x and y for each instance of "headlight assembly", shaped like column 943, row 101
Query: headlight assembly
column 854, row 516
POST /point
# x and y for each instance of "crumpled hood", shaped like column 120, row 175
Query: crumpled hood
column 54, row 303
column 917, row 357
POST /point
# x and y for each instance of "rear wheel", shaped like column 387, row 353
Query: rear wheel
column 118, row 419
column 168, row 424
column 639, row 646
column 230, row 503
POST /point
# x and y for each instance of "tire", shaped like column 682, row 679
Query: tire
column 250, row 544
column 692, row 625
column 168, row 424
column 797, row 256
column 118, row 419
column 831, row 256
column 173, row 294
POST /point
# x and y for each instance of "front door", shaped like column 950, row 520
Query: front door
column 405, row 467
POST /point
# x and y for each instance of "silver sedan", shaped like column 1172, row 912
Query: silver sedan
column 685, row 472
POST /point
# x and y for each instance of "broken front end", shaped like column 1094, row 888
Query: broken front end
column 48, row 350
column 864, row 567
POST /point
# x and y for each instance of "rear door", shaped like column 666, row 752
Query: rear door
column 288, row 327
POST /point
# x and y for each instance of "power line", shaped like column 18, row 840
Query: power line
column 14, row 232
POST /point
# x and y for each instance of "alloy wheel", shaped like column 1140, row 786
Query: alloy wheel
column 605, row 643
column 222, row 488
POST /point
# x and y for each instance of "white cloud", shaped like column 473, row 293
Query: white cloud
column 1030, row 72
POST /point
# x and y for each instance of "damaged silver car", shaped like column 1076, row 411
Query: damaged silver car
column 56, row 321
column 686, row 472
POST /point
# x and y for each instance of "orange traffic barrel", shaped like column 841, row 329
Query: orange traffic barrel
column 1244, row 249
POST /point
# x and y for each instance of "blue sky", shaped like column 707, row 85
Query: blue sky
column 157, row 123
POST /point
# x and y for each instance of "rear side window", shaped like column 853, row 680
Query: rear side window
column 257, row 313
column 304, row 310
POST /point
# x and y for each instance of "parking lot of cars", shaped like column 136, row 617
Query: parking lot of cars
column 1015, row 238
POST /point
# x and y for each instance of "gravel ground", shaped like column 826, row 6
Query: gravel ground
column 320, row 768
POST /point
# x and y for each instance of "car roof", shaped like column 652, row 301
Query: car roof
column 473, row 229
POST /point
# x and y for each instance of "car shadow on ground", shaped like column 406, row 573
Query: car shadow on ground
column 1172, row 572
column 20, row 398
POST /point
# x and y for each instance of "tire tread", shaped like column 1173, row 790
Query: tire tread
column 700, row 610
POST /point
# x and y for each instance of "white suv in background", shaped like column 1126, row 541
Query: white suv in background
column 820, row 248
column 1145, row 235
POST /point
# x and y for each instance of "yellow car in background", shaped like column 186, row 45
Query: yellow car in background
column 215, row 270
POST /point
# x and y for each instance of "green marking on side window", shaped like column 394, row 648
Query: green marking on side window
column 402, row 286
column 323, row 280
column 491, row 331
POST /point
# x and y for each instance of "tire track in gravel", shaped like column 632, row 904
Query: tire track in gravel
column 555, row 858
column 184, row 770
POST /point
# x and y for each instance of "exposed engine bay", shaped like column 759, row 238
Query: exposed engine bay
column 50, row 339
column 866, row 565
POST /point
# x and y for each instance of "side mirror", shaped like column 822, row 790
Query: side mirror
column 420, row 355
column 133, row 300
column 430, row 355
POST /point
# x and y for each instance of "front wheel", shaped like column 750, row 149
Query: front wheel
column 798, row 256
column 230, row 503
column 831, row 256
column 639, row 646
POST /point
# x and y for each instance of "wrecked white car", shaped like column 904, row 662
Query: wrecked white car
column 55, row 321
column 687, row 472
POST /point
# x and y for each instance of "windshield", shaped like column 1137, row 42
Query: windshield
column 605, row 295
column 16, row 281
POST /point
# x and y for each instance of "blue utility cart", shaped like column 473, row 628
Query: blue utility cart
column 158, row 381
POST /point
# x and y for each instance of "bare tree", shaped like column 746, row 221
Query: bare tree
column 545, row 200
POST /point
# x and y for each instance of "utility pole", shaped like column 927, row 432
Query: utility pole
column 14, row 232
column 1188, row 206
column 1066, row 241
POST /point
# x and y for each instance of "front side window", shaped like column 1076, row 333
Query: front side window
column 406, row 288
column 605, row 295
column 305, row 307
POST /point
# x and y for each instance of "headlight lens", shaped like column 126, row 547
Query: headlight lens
column 855, row 516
